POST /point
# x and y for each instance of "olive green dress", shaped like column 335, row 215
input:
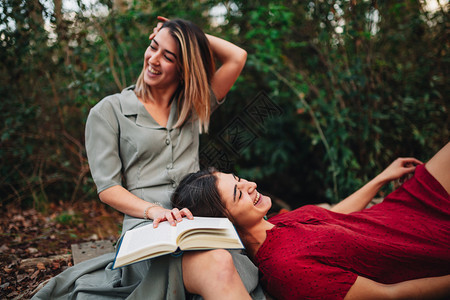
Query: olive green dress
column 126, row 146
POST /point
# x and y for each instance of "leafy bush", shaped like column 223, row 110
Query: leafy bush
column 358, row 84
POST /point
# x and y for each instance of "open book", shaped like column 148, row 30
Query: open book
column 199, row 234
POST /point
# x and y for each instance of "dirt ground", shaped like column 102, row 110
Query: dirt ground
column 36, row 246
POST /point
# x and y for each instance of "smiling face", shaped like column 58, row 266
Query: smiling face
column 244, row 203
column 161, row 61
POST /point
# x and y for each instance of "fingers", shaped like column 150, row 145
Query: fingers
column 155, row 31
column 409, row 164
column 158, row 27
column 178, row 214
column 406, row 166
column 156, row 222
column 161, row 18
column 414, row 161
column 165, row 215
column 405, row 161
column 173, row 216
column 187, row 213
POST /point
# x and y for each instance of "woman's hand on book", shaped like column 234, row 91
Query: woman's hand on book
column 173, row 216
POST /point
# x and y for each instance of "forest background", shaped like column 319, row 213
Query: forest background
column 332, row 91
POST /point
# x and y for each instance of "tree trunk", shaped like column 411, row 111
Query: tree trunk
column 59, row 18
column 36, row 14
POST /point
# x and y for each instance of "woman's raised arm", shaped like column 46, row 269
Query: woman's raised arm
column 233, row 60
column 359, row 199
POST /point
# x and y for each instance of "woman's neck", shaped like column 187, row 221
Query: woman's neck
column 160, row 105
column 253, row 237
column 163, row 97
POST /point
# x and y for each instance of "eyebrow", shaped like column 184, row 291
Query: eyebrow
column 235, row 187
column 170, row 52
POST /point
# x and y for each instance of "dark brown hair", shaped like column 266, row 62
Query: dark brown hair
column 198, row 192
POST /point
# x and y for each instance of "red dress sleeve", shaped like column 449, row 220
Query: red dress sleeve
column 292, row 261
column 305, row 279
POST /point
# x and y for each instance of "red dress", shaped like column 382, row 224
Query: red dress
column 313, row 253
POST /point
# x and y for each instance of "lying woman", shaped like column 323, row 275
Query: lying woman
column 398, row 249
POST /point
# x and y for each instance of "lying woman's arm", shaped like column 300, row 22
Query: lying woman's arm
column 359, row 199
column 422, row 288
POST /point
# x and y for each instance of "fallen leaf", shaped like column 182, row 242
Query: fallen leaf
column 35, row 274
column 32, row 250
column 56, row 265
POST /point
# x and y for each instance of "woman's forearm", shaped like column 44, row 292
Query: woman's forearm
column 232, row 59
column 422, row 288
column 359, row 199
column 225, row 51
column 121, row 199
column 415, row 289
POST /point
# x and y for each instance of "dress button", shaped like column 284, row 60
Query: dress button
column 169, row 166
column 174, row 184
column 167, row 141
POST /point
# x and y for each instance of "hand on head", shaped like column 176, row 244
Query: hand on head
column 158, row 27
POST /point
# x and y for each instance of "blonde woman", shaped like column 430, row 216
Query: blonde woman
column 140, row 143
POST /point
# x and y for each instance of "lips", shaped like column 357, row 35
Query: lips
column 257, row 198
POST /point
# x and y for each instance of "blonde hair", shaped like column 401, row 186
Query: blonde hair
column 196, row 67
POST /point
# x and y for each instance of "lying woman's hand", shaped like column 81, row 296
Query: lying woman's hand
column 398, row 168
column 158, row 27
column 173, row 216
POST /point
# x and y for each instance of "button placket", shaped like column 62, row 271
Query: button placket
column 168, row 142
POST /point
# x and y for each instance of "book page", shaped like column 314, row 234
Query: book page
column 222, row 238
column 207, row 233
column 147, row 237
column 203, row 222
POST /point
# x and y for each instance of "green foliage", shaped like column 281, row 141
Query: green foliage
column 359, row 83
column 69, row 218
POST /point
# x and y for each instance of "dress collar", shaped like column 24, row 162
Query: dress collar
column 132, row 106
